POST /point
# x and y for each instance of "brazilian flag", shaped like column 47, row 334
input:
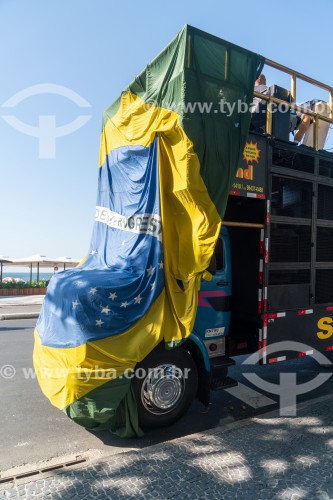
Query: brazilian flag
column 169, row 150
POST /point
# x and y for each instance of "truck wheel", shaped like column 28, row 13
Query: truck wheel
column 164, row 386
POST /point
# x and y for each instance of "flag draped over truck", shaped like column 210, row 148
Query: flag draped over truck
column 169, row 150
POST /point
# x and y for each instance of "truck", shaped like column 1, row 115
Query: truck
column 274, row 275
column 167, row 296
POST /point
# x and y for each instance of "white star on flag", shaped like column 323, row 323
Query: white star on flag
column 124, row 304
column 152, row 285
column 137, row 300
column 75, row 304
column 112, row 296
column 99, row 322
column 93, row 252
column 92, row 291
column 150, row 270
column 160, row 265
column 106, row 310
column 78, row 283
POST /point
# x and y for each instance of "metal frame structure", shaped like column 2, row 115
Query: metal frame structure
column 293, row 86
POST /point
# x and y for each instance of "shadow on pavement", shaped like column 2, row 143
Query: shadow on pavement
column 10, row 328
column 282, row 458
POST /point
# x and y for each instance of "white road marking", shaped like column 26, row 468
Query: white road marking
column 250, row 396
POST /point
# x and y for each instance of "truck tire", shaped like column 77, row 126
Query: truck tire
column 164, row 387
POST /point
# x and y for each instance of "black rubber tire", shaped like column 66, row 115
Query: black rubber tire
column 180, row 359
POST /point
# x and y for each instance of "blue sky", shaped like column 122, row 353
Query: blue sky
column 95, row 49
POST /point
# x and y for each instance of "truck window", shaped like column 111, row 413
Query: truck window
column 324, row 245
column 294, row 161
column 291, row 197
column 325, row 202
column 219, row 253
column 326, row 168
column 290, row 243
column 289, row 274
column 324, row 286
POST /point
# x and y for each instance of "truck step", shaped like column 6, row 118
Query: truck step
column 221, row 361
column 218, row 384
column 228, row 361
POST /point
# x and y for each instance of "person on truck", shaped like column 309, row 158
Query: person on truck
column 259, row 106
column 299, row 122
column 260, row 84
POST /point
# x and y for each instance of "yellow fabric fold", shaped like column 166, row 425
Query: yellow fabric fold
column 67, row 374
column 190, row 225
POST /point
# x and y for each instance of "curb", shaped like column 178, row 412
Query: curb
column 27, row 315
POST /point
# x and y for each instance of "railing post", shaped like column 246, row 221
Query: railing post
column 315, row 132
column 293, row 88
column 269, row 118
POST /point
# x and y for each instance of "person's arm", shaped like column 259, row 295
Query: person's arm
column 302, row 127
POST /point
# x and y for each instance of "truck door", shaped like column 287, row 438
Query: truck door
column 213, row 314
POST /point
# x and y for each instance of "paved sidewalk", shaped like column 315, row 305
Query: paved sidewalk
column 20, row 307
column 269, row 457
column 21, row 300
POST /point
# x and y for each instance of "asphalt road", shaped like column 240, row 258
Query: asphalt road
column 33, row 431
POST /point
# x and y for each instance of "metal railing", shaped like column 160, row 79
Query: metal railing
column 292, row 105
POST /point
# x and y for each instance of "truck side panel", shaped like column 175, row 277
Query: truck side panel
column 298, row 270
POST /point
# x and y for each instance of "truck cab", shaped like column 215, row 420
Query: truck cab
column 212, row 323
